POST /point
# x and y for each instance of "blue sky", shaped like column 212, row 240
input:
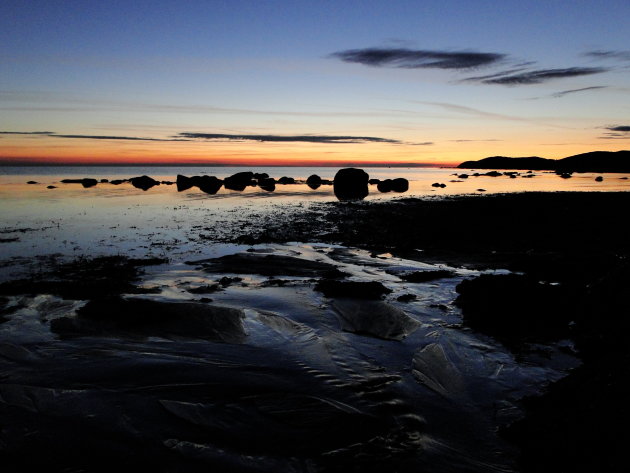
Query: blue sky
column 440, row 82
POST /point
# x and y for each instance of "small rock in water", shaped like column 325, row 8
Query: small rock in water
column 314, row 181
column 144, row 182
column 85, row 182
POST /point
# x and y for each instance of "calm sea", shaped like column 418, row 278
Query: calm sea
column 113, row 219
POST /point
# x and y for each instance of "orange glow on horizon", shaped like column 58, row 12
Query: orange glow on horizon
column 38, row 150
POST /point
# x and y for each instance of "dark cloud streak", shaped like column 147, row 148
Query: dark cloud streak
column 537, row 76
column 418, row 58
column 616, row 132
column 288, row 139
column 573, row 91
column 615, row 55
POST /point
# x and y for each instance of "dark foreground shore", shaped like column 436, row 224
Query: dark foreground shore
column 572, row 255
column 308, row 359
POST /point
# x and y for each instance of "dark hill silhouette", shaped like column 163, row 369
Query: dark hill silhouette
column 595, row 161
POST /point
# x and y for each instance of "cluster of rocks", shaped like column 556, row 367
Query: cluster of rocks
column 348, row 184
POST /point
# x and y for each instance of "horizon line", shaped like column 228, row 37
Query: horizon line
column 4, row 163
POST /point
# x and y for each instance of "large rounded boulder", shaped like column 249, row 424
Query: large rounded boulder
column 351, row 184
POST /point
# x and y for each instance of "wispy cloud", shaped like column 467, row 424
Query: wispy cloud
column 43, row 102
column 609, row 55
column 418, row 58
column 288, row 139
column 105, row 137
column 484, row 114
column 26, row 132
column 52, row 134
column 573, row 91
column 536, row 76
column 475, row 141
column 616, row 132
column 191, row 136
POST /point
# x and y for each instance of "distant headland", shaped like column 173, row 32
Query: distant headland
column 595, row 161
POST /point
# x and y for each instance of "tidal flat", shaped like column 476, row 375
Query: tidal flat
column 461, row 333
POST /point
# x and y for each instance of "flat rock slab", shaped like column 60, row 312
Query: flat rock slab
column 141, row 318
column 376, row 318
column 353, row 289
column 269, row 265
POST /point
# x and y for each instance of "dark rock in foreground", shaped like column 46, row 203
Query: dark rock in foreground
column 517, row 308
column 354, row 289
column 286, row 180
column 32, row 182
column 351, row 184
column 85, row 182
column 144, row 182
column 134, row 318
column 268, row 265
column 375, row 318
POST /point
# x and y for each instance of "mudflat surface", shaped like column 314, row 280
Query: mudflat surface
column 337, row 337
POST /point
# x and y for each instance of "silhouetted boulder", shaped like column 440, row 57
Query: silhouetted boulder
column 373, row 182
column 144, row 182
column 400, row 184
column 384, row 186
column 493, row 174
column 85, row 182
column 117, row 182
column 438, row 184
column 239, row 181
column 286, row 180
column 104, row 181
column 267, row 184
column 208, row 184
column 599, row 178
column 463, row 176
column 260, row 175
column 183, row 183
column 351, row 184
column 51, row 187
column 32, row 182
column 314, row 181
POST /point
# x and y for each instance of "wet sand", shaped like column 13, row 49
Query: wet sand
column 334, row 337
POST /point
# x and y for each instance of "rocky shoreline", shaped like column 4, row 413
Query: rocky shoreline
column 315, row 320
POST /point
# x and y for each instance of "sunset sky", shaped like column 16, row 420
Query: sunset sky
column 302, row 82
